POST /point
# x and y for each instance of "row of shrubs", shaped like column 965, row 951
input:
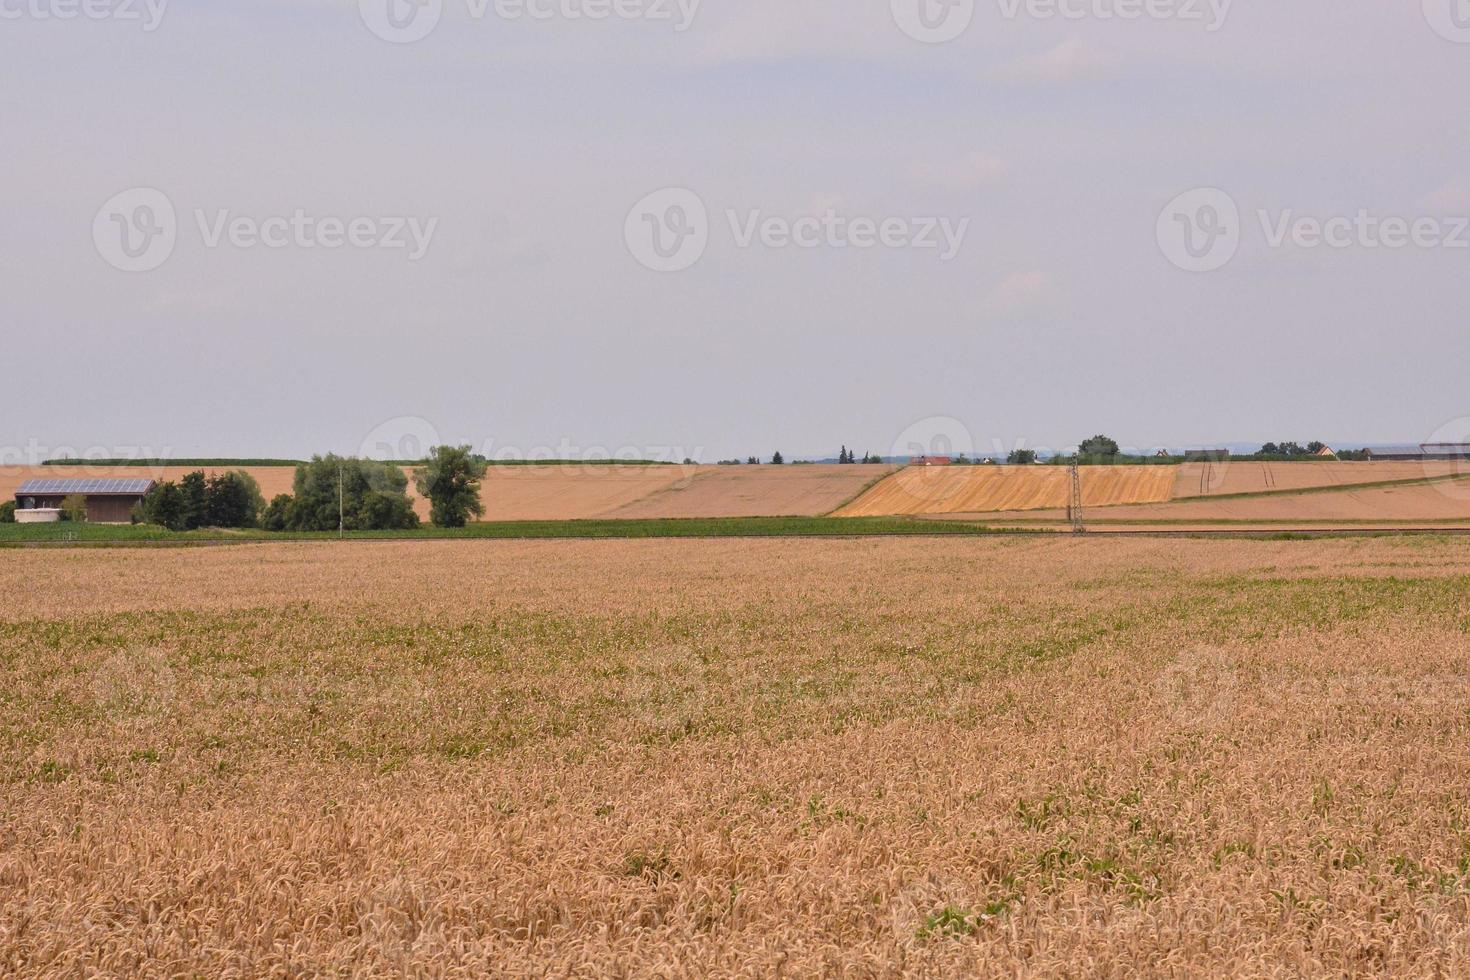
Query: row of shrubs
column 227, row 500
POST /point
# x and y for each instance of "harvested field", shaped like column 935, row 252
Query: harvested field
column 1441, row 501
column 571, row 493
column 858, row 757
column 1247, row 476
column 756, row 491
column 980, row 489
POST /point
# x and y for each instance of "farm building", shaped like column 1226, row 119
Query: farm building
column 1385, row 454
column 1424, row 451
column 108, row 501
column 1446, row 450
column 931, row 461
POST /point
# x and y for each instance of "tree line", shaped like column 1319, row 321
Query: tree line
column 328, row 493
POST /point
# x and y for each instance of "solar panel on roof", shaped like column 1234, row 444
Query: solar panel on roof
column 46, row 487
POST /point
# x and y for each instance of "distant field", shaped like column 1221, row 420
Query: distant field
column 977, row 489
column 1247, row 476
column 1239, row 490
column 1442, row 500
column 955, row 757
column 566, row 493
column 756, row 491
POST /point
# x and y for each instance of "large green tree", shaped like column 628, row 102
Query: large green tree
column 279, row 513
column 232, row 499
column 373, row 496
column 163, row 506
column 1099, row 446
column 195, row 490
column 450, row 480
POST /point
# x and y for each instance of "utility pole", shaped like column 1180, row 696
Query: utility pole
column 1074, row 505
column 341, row 522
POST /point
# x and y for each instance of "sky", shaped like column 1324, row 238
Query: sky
column 717, row 229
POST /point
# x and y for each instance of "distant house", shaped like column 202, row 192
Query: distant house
column 932, row 461
column 1326, row 452
column 108, row 501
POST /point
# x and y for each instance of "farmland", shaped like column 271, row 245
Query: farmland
column 965, row 489
column 938, row 756
column 645, row 499
column 756, row 491
column 1244, row 476
column 568, row 493
column 1409, row 504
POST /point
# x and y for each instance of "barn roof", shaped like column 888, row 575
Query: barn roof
column 1413, row 452
column 92, row 488
column 1454, row 450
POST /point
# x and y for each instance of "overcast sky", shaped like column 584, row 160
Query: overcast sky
column 524, row 316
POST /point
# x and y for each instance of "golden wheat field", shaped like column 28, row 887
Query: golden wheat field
column 921, row 490
column 869, row 757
